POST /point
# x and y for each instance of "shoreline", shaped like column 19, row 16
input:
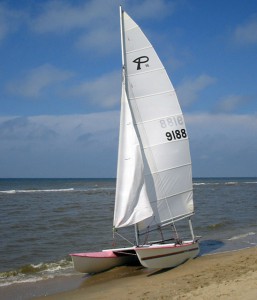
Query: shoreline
column 225, row 275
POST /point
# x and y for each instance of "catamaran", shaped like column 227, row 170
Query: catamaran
column 154, row 190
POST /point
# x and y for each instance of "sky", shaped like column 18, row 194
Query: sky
column 60, row 83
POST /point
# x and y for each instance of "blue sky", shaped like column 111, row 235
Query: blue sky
column 60, row 83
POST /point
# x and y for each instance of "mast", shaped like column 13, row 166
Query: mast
column 124, row 82
column 122, row 39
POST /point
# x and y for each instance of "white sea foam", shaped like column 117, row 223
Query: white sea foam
column 240, row 236
column 39, row 272
column 8, row 192
column 37, row 191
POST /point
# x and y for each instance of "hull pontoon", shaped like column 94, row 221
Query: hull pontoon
column 166, row 255
column 95, row 262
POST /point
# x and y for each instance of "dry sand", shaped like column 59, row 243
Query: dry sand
column 231, row 275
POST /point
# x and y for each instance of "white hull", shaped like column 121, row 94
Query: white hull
column 96, row 262
column 162, row 256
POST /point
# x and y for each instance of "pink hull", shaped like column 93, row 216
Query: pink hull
column 95, row 262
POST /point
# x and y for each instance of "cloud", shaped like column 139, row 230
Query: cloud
column 9, row 20
column 86, row 145
column 36, row 80
column 100, row 41
column 231, row 103
column 62, row 16
column 152, row 8
column 96, row 22
column 246, row 34
column 59, row 146
column 222, row 144
column 189, row 89
column 103, row 91
column 22, row 128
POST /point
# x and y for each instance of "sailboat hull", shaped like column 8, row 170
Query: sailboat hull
column 166, row 255
column 95, row 262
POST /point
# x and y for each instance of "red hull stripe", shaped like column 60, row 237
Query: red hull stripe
column 168, row 254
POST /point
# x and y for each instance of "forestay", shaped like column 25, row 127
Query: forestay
column 155, row 187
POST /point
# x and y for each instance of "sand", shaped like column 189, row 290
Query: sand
column 230, row 275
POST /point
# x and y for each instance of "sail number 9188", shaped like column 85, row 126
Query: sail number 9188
column 176, row 134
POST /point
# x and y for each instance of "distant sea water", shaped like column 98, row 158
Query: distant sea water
column 43, row 220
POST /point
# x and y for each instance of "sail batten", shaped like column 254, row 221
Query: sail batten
column 156, row 94
column 150, row 71
column 173, row 168
column 156, row 145
column 156, row 119
column 172, row 195
column 132, row 51
column 158, row 172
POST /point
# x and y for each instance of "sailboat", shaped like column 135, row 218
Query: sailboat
column 154, row 190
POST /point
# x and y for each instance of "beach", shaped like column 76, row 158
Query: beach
column 229, row 275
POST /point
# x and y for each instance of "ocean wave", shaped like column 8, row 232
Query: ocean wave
column 33, row 273
column 216, row 225
column 206, row 183
column 88, row 191
column 240, row 236
column 8, row 192
column 37, row 191
column 231, row 183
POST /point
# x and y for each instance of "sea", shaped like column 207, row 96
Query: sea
column 42, row 221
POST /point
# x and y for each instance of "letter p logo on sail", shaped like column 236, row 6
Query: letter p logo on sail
column 141, row 60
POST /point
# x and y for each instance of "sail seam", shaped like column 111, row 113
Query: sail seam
column 151, row 120
column 168, row 169
column 136, row 26
column 140, row 49
column 154, row 94
column 151, row 71
column 155, row 145
column 173, row 195
column 178, row 218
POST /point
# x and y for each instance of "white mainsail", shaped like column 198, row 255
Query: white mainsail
column 155, row 186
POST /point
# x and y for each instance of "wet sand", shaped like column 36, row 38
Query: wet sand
column 230, row 275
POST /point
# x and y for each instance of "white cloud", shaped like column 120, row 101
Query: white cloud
column 86, row 145
column 59, row 146
column 222, row 144
column 103, row 91
column 231, row 103
column 95, row 22
column 62, row 16
column 246, row 33
column 36, row 80
column 9, row 20
column 101, row 41
column 152, row 8
column 62, row 126
column 189, row 89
